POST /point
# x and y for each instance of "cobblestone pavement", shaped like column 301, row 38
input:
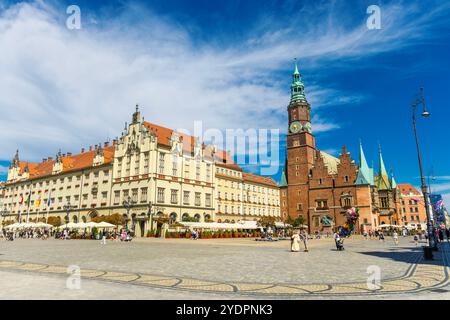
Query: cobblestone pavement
column 239, row 268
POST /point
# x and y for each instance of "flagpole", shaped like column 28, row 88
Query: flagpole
column 49, row 202
column 28, row 206
column 46, row 218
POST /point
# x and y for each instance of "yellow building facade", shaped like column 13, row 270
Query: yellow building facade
column 150, row 172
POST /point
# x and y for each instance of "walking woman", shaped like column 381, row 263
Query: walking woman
column 295, row 242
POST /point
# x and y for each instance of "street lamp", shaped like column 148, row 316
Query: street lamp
column 432, row 243
column 128, row 203
column 150, row 215
column 3, row 214
column 67, row 208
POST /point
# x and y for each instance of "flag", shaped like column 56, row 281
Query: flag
column 49, row 200
column 21, row 199
column 38, row 200
column 439, row 204
column 29, row 200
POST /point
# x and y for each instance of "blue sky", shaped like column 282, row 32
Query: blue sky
column 229, row 64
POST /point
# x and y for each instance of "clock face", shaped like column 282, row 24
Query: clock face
column 295, row 127
column 308, row 127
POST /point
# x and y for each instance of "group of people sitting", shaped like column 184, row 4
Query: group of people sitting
column 10, row 235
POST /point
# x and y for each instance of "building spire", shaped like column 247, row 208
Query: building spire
column 382, row 170
column 365, row 175
column 15, row 161
column 283, row 182
column 382, row 179
column 297, row 86
column 136, row 115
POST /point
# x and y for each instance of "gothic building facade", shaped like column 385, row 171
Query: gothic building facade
column 318, row 188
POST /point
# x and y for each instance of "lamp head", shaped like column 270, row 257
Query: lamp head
column 425, row 114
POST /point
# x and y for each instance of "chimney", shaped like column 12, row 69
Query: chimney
column 50, row 158
column 90, row 148
column 44, row 160
column 69, row 154
column 63, row 155
column 82, row 150
column 106, row 144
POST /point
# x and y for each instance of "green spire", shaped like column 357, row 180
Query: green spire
column 283, row 182
column 382, row 178
column 365, row 174
column 382, row 167
column 393, row 182
column 297, row 86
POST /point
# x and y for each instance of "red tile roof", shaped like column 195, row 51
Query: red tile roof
column 407, row 188
column 259, row 179
column 70, row 163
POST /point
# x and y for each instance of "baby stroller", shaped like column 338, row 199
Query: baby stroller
column 340, row 244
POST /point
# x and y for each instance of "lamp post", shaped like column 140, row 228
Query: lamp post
column 128, row 203
column 150, row 215
column 420, row 100
column 3, row 214
column 67, row 208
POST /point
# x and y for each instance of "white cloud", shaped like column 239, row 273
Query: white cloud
column 63, row 88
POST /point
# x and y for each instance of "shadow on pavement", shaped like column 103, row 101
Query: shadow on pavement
column 407, row 255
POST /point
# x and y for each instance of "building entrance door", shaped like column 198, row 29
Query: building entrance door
column 142, row 227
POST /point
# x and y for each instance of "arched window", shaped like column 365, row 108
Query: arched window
column 75, row 219
column 197, row 217
column 173, row 217
column 185, row 217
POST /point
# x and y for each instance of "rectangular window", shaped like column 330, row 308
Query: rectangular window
column 208, row 200
column 322, row 204
column 197, row 170
column 144, row 194
column 136, row 166
column 160, row 198
column 174, row 166
column 384, row 202
column 208, row 172
column 186, row 195
column 174, row 196
column 146, row 162
column 134, row 195
column 127, row 168
column 161, row 163
column 116, row 197
column 197, row 199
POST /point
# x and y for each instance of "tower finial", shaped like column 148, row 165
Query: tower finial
column 297, row 86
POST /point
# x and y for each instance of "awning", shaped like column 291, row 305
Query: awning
column 243, row 225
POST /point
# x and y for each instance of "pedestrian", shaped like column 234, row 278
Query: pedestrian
column 338, row 241
column 395, row 237
column 365, row 235
column 103, row 239
column 295, row 242
column 447, row 233
column 304, row 237
column 441, row 235
column 416, row 240
column 381, row 236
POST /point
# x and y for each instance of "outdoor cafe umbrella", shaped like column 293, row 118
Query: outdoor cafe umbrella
column 104, row 224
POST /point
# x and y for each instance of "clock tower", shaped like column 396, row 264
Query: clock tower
column 301, row 145
column 301, row 149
